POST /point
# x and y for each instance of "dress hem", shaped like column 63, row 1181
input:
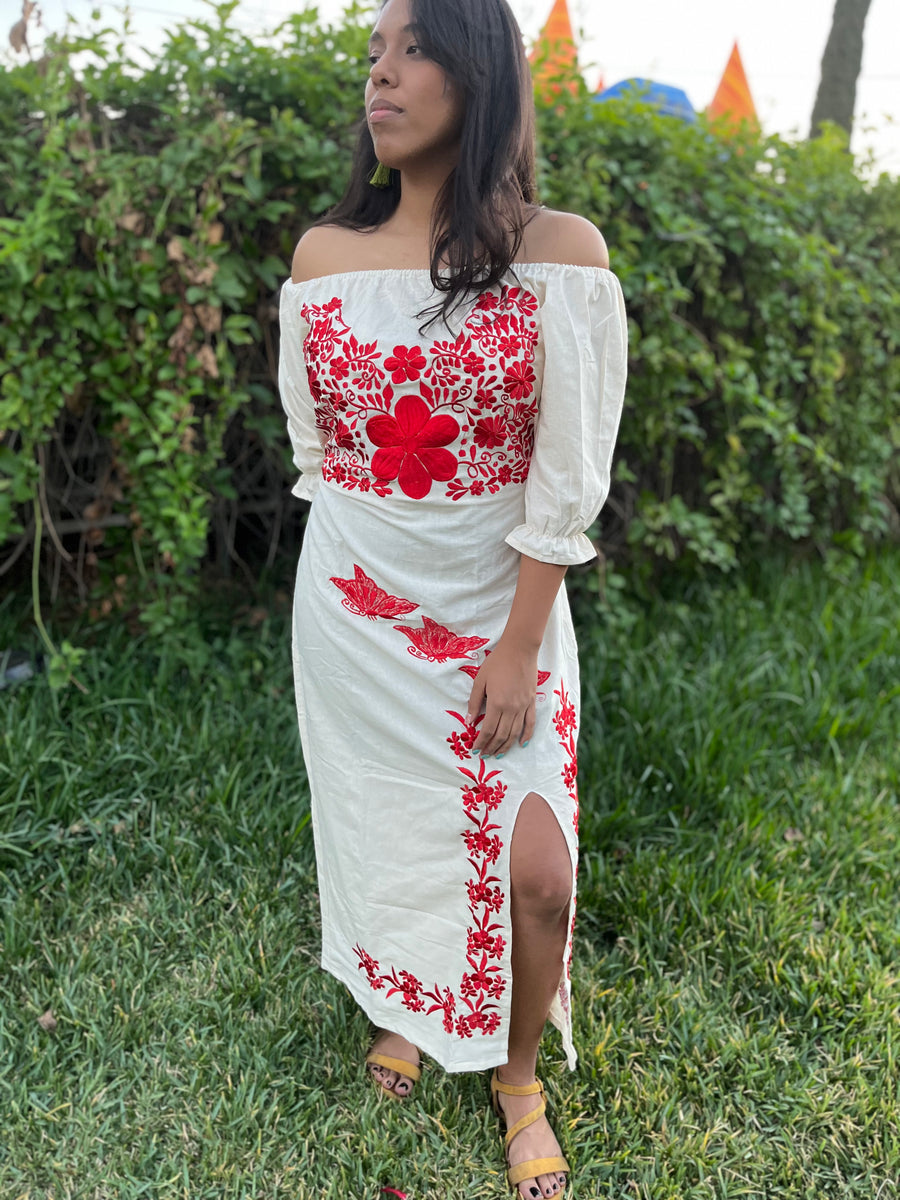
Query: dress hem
column 412, row 1031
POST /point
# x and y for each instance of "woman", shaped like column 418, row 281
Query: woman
column 453, row 366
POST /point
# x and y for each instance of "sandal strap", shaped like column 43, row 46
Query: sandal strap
column 400, row 1065
column 534, row 1167
column 524, row 1122
column 509, row 1089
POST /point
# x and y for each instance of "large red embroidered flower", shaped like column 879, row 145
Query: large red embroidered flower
column 365, row 598
column 489, row 432
column 434, row 643
column 406, row 363
column 409, row 442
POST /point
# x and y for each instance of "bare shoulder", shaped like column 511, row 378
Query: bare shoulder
column 324, row 250
column 562, row 237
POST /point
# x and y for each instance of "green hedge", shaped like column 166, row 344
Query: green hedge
column 763, row 281
column 147, row 216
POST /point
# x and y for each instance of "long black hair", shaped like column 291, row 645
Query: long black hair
column 481, row 210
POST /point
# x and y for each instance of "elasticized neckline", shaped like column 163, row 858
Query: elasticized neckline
column 518, row 267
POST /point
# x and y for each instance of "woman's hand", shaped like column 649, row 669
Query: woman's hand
column 506, row 686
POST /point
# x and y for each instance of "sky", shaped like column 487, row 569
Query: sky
column 686, row 44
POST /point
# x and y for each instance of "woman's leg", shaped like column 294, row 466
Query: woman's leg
column 541, row 888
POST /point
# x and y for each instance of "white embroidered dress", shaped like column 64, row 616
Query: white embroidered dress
column 432, row 464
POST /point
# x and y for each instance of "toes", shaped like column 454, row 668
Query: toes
column 386, row 1078
column 550, row 1185
column 545, row 1185
column 403, row 1086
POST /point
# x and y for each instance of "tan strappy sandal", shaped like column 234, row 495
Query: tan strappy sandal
column 400, row 1065
column 532, row 1167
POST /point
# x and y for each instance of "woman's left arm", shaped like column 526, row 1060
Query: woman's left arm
column 507, row 681
column 585, row 335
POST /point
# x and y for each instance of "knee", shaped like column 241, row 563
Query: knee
column 543, row 894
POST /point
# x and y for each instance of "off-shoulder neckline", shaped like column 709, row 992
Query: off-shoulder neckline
column 516, row 266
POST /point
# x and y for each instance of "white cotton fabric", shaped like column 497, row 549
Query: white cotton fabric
column 433, row 462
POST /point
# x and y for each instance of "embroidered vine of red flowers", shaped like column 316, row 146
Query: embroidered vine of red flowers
column 473, row 1007
column 564, row 721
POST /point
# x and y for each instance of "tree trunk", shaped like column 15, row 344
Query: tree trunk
column 841, row 64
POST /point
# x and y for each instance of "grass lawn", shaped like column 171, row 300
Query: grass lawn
column 737, row 952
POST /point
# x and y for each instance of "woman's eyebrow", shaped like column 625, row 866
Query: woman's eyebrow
column 376, row 37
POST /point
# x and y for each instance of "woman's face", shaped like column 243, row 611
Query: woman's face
column 414, row 111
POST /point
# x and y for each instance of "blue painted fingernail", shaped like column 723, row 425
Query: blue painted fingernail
column 498, row 756
column 524, row 744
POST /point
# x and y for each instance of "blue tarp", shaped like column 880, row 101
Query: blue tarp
column 670, row 100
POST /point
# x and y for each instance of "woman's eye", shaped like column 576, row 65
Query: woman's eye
column 373, row 58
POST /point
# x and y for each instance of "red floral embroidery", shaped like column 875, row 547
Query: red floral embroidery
column 434, row 643
column 364, row 598
column 462, row 743
column 352, row 476
column 474, row 1007
column 475, row 390
column 565, row 723
column 409, row 443
column 490, row 433
column 370, row 965
column 483, row 983
column 519, row 380
column 406, row 364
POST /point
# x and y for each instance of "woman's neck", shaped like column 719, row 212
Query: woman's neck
column 419, row 189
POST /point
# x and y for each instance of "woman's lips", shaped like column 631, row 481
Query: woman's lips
column 381, row 114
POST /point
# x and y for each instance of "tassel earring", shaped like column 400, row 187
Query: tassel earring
column 381, row 176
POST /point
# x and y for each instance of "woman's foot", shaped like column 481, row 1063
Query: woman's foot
column 392, row 1045
column 535, row 1141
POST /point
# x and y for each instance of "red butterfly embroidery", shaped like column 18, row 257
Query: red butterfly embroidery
column 365, row 598
column 472, row 669
column 434, row 643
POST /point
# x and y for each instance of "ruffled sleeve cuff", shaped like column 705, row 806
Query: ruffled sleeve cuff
column 306, row 486
column 563, row 550
column 584, row 330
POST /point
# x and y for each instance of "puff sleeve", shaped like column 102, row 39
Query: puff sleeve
column 585, row 335
column 296, row 397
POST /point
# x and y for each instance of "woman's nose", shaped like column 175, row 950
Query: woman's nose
column 381, row 72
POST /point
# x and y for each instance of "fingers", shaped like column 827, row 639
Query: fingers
column 528, row 726
column 499, row 731
column 476, row 699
